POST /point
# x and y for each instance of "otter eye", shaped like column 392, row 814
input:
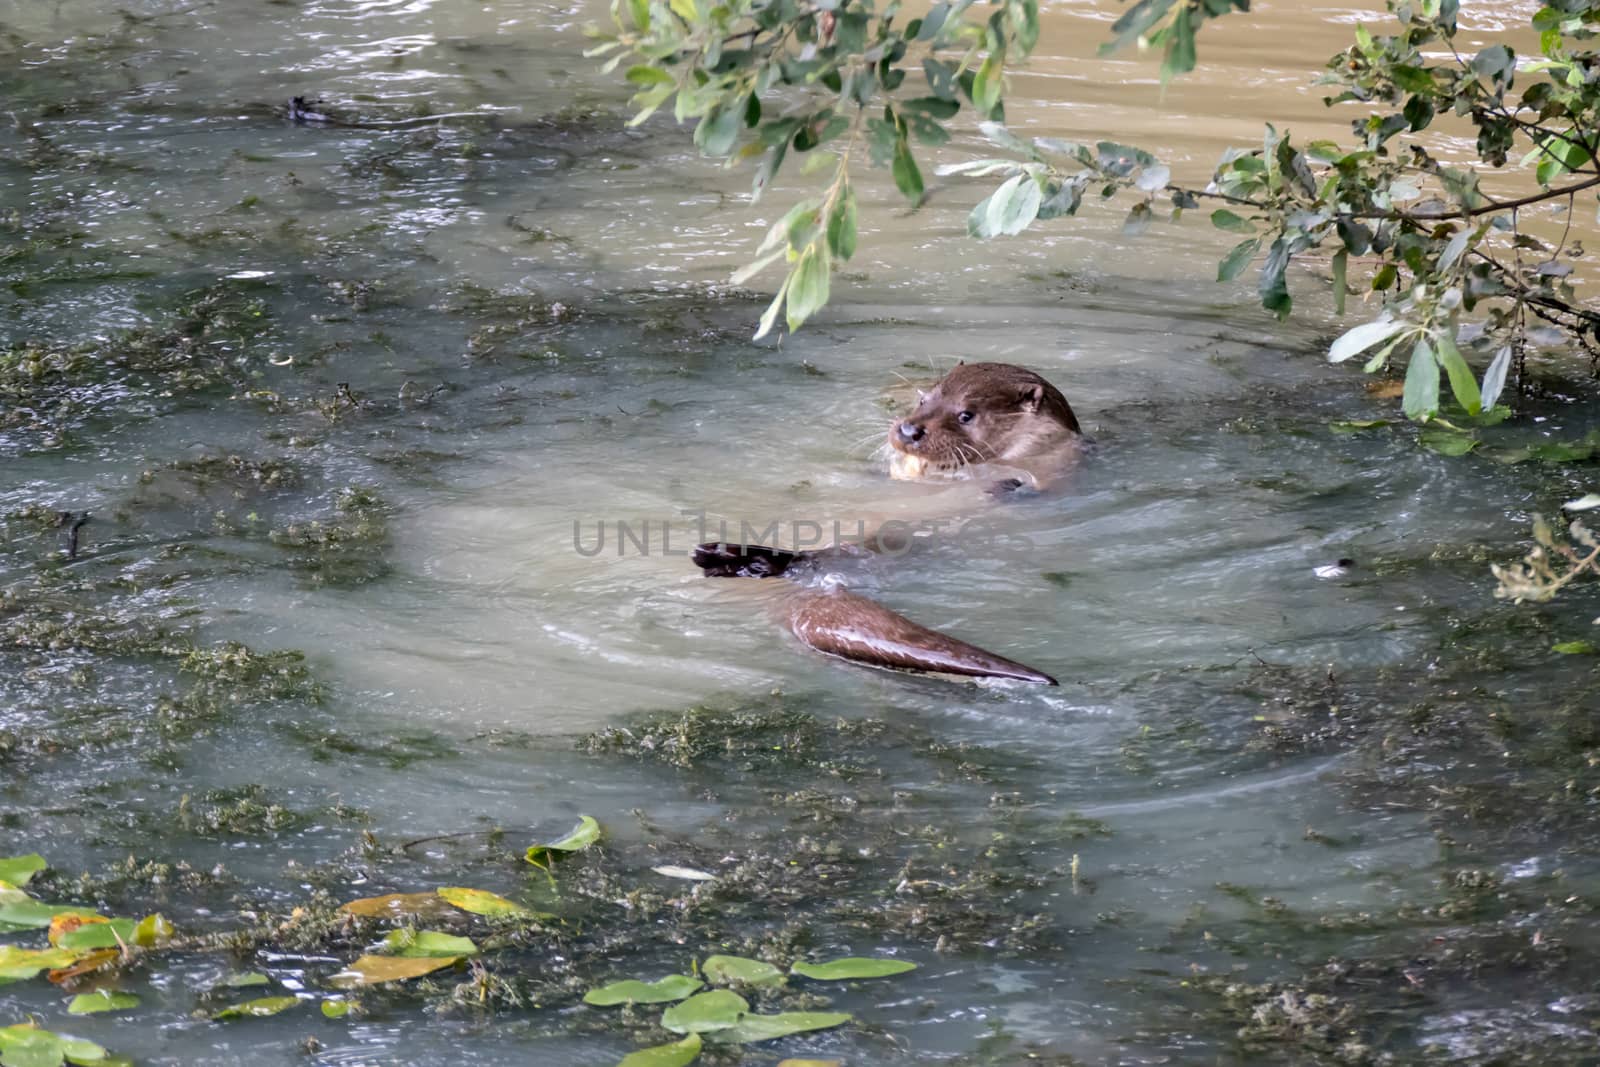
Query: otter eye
column 965, row 416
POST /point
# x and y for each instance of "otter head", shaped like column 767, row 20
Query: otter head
column 983, row 413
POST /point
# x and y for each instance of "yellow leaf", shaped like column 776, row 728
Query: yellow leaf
column 68, row 921
column 482, row 902
column 398, row 906
column 375, row 970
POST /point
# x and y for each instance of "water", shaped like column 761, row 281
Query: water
column 514, row 326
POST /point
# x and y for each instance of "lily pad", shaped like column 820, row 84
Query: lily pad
column 429, row 943
column 153, row 930
column 17, row 964
column 399, row 906
column 376, row 970
column 632, row 991
column 95, row 959
column 1575, row 648
column 1357, row 425
column 101, row 1000
column 17, row 870
column 77, row 933
column 586, row 833
column 674, row 1055
column 482, row 902
column 245, row 980
column 337, row 1009
column 30, row 914
column 704, row 1012
column 852, row 967
column 256, row 1009
column 25, row 1045
column 753, row 1028
column 726, row 969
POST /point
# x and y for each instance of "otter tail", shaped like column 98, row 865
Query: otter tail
column 852, row 627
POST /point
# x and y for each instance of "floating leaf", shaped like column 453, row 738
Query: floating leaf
column 716, row 1010
column 1575, row 648
column 483, row 902
column 687, row 873
column 1583, row 503
column 1447, row 442
column 769, row 1027
column 30, row 914
column 245, row 980
column 725, row 969
column 852, row 967
column 153, row 930
column 256, row 1009
column 336, row 1009
column 661, row 991
column 25, row 1045
column 19, row 963
column 80, row 934
column 101, row 1000
column 586, row 833
column 398, row 905
column 1357, row 425
column 18, row 870
column 375, row 970
column 428, row 943
column 674, row 1055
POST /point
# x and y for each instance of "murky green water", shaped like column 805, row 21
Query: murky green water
column 439, row 352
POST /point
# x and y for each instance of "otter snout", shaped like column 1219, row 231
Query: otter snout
column 909, row 432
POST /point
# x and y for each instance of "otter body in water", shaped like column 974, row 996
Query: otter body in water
column 979, row 416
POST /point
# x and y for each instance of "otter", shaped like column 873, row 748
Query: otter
column 980, row 415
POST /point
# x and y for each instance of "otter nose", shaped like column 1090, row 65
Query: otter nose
column 909, row 431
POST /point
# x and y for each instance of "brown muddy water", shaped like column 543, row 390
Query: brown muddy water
column 368, row 395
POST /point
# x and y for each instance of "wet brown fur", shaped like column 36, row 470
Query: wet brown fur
column 1014, row 415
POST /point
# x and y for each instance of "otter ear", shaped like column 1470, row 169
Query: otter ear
column 1031, row 398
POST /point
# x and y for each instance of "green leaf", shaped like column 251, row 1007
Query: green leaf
column 1421, row 397
column 29, row 914
column 1180, row 46
column 1273, row 285
column 1014, row 206
column 1357, row 425
column 1496, row 61
column 704, row 1012
column 1463, row 386
column 661, row 991
column 336, row 1009
column 1223, row 219
column 18, row 870
column 1559, row 156
column 586, row 833
column 907, row 178
column 934, row 107
column 808, row 285
column 717, row 132
column 727, row 969
column 101, row 1000
column 113, row 934
column 842, row 226
column 246, row 980
column 753, row 1028
column 1447, row 442
column 645, row 76
column 255, row 1009
column 639, row 11
column 1234, row 263
column 770, row 317
column 1360, row 338
column 986, row 87
column 852, row 967
column 1575, row 648
column 676, row 1054
column 1341, row 265
column 428, row 943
